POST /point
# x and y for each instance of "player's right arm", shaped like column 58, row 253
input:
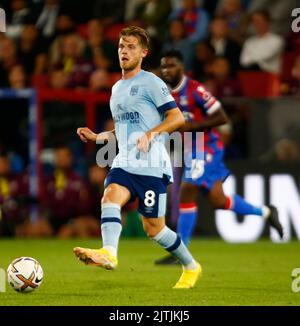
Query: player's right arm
column 86, row 134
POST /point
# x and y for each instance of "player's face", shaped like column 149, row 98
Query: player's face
column 131, row 53
column 172, row 70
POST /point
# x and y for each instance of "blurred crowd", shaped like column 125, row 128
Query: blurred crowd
column 69, row 205
column 71, row 44
column 68, row 44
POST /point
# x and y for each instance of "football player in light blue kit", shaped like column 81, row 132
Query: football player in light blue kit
column 143, row 109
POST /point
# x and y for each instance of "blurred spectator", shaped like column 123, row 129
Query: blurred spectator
column 58, row 79
column 66, row 195
column 222, row 84
column 99, row 81
column 13, row 191
column 17, row 78
column 236, row 17
column 109, row 11
column 154, row 14
column 262, row 51
column 46, row 22
column 72, row 62
column 20, row 15
column 31, row 52
column 286, row 150
column 8, row 59
column 195, row 19
column 176, row 4
column 177, row 40
column 130, row 9
column 294, row 88
column 64, row 25
column 223, row 45
column 205, row 55
column 102, row 52
column 280, row 13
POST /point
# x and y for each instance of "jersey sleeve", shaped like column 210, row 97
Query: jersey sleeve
column 160, row 95
column 206, row 100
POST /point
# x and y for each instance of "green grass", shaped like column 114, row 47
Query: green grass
column 234, row 274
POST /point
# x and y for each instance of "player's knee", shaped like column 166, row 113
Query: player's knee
column 218, row 203
column 188, row 194
column 152, row 229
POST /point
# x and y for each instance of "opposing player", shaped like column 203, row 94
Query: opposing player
column 204, row 112
column 142, row 108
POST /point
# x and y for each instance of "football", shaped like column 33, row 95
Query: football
column 25, row 274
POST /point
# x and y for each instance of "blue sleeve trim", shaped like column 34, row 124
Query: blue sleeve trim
column 167, row 106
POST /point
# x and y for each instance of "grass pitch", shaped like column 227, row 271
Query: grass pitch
column 234, row 274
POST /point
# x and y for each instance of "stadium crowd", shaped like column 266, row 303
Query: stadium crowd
column 70, row 44
column 75, row 46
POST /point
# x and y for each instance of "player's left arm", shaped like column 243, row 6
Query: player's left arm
column 173, row 120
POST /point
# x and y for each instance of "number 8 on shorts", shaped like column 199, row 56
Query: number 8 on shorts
column 149, row 200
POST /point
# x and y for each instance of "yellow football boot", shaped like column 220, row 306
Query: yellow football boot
column 96, row 257
column 188, row 278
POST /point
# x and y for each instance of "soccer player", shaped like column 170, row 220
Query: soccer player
column 142, row 108
column 203, row 112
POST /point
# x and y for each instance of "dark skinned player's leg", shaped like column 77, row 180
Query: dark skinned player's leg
column 217, row 197
column 238, row 205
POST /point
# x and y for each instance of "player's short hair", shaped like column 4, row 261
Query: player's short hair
column 173, row 53
column 264, row 13
column 137, row 32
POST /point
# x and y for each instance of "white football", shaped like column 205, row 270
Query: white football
column 25, row 274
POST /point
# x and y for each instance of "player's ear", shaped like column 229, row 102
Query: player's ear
column 145, row 52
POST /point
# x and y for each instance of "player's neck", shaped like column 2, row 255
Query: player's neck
column 178, row 83
column 127, row 74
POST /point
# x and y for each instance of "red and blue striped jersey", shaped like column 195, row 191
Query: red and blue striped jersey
column 194, row 99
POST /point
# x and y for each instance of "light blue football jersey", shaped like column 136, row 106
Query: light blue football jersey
column 137, row 105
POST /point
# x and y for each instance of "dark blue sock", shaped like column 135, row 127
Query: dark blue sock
column 240, row 206
column 187, row 222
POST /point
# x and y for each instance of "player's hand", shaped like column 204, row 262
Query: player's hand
column 143, row 143
column 103, row 137
column 85, row 134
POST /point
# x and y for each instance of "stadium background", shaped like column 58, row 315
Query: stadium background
column 65, row 54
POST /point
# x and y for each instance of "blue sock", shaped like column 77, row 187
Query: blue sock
column 187, row 221
column 171, row 241
column 111, row 226
column 240, row 206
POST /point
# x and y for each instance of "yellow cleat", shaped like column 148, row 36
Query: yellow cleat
column 96, row 257
column 188, row 278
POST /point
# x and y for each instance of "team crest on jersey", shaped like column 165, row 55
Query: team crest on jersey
column 134, row 90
